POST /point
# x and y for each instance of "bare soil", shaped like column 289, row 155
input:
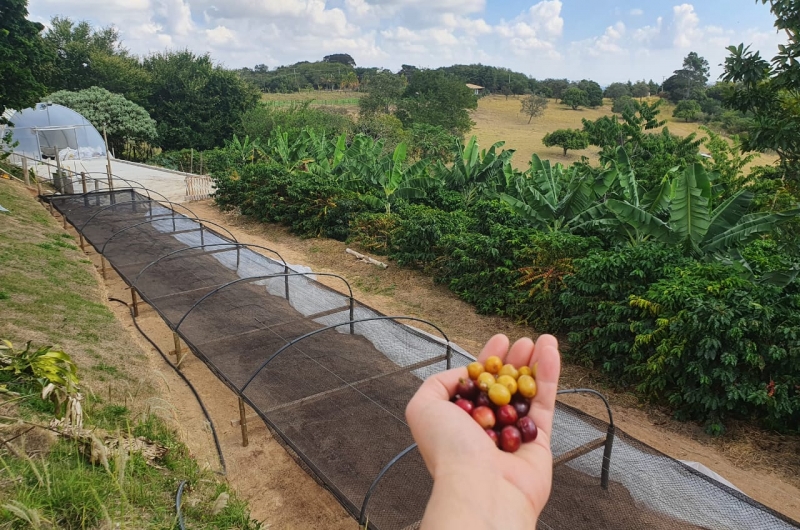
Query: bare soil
column 764, row 466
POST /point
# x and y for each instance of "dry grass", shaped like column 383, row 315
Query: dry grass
column 499, row 119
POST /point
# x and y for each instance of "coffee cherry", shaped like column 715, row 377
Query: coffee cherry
column 493, row 364
column 499, row 394
column 527, row 386
column 474, row 370
column 510, row 439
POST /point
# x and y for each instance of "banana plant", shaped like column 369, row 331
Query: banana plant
column 245, row 151
column 291, row 155
column 475, row 172
column 555, row 199
column 396, row 180
column 698, row 226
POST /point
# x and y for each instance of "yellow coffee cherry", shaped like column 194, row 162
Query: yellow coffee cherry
column 525, row 370
column 499, row 394
column 527, row 386
column 493, row 364
column 474, row 370
column 510, row 370
column 486, row 380
column 509, row 382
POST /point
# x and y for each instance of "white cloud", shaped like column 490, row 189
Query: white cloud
column 686, row 24
column 427, row 33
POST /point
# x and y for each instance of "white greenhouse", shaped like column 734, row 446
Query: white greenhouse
column 49, row 130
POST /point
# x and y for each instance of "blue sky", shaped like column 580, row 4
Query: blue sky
column 605, row 40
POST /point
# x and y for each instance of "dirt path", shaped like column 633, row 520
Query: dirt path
column 764, row 466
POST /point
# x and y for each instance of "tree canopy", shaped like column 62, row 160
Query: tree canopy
column 594, row 94
column 617, row 90
column 768, row 90
column 384, row 90
column 22, row 57
column 575, row 97
column 567, row 139
column 533, row 106
column 124, row 120
column 436, row 98
column 689, row 79
column 198, row 104
column 341, row 58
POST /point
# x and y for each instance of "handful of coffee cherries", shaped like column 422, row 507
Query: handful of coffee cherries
column 498, row 397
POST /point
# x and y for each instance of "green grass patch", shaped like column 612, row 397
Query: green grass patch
column 64, row 488
column 50, row 294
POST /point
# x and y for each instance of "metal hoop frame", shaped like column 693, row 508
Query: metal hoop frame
column 350, row 322
column 362, row 520
column 114, row 205
column 199, row 221
column 286, row 275
column 235, row 244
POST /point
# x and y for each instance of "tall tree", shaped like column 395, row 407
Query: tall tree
column 575, row 97
column 770, row 90
column 23, row 55
column 533, row 106
column 640, row 90
column 594, row 94
column 384, row 90
column 692, row 77
column 436, row 98
column 196, row 103
column 341, row 58
column 617, row 90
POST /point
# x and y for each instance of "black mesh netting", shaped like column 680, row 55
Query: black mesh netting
column 331, row 377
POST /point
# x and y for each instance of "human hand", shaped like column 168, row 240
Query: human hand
column 476, row 485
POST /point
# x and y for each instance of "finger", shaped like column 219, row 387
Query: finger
column 521, row 353
column 442, row 385
column 497, row 345
column 547, row 356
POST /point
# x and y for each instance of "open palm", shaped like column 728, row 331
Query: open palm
column 454, row 445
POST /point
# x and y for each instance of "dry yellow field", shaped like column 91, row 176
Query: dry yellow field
column 499, row 119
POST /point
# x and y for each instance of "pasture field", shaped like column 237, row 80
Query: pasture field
column 499, row 119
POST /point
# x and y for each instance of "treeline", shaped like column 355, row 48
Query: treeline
column 192, row 101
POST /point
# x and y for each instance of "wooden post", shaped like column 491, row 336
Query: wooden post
column 83, row 243
column 191, row 161
column 25, row 176
column 83, row 182
column 134, row 302
column 59, row 174
column 108, row 160
column 39, row 187
column 103, row 266
column 64, row 220
column 178, row 350
column 243, row 423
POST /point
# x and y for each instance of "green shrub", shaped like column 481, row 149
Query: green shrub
column 715, row 345
column 417, row 240
column 595, row 303
column 263, row 119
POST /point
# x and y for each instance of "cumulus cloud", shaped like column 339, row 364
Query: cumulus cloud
column 426, row 33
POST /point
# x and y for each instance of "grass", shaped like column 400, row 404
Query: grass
column 51, row 295
column 499, row 119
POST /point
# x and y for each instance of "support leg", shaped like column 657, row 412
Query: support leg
column 135, row 302
column 179, row 353
column 243, row 422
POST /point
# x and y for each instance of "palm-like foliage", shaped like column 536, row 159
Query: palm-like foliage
column 555, row 199
column 695, row 223
column 397, row 180
column 475, row 172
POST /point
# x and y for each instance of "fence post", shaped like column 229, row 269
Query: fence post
column 243, row 422
column 108, row 161
column 134, row 302
column 26, row 178
column 58, row 181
